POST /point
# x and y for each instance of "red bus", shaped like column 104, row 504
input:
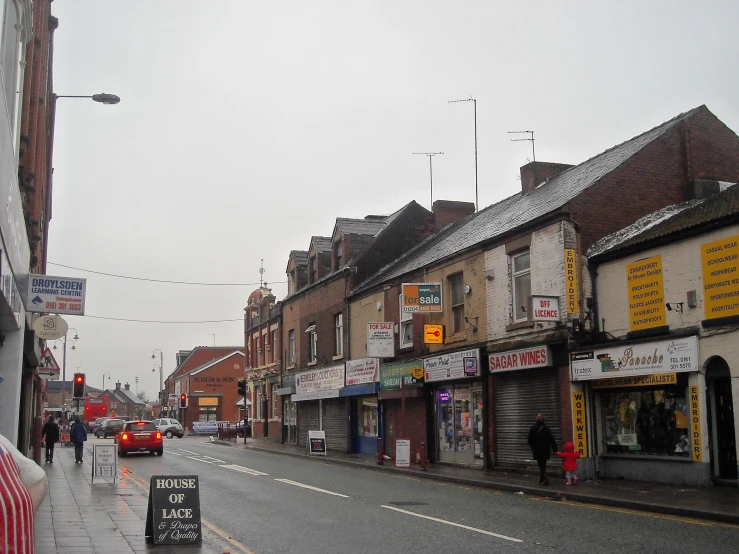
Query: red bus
column 95, row 407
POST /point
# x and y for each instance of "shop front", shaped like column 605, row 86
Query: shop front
column 320, row 407
column 645, row 403
column 524, row 383
column 458, row 406
column 209, row 408
column 402, row 405
column 362, row 385
column 289, row 409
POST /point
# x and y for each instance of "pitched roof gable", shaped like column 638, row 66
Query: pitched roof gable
column 685, row 218
column 520, row 209
column 215, row 362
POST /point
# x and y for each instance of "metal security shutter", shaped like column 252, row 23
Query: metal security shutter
column 519, row 396
column 335, row 423
column 307, row 420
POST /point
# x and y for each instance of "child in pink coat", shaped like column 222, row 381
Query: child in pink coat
column 569, row 463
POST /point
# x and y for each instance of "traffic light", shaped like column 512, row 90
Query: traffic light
column 183, row 401
column 242, row 387
column 78, row 385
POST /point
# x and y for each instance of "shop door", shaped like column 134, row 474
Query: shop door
column 726, row 440
column 308, row 414
column 290, row 422
column 457, row 412
column 519, row 396
column 335, row 423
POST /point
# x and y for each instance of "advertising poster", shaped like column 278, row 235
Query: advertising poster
column 720, row 266
column 360, row 372
column 452, row 366
column 646, row 294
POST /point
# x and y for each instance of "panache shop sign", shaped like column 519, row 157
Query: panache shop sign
column 676, row 355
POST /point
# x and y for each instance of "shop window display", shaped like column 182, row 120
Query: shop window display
column 647, row 422
column 368, row 416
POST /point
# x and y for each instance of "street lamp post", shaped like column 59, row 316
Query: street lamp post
column 161, row 371
column 104, row 375
column 64, row 371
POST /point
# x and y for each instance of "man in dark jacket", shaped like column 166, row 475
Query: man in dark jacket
column 50, row 432
column 540, row 441
column 78, row 434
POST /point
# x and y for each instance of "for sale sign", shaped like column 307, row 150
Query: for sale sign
column 380, row 340
column 422, row 297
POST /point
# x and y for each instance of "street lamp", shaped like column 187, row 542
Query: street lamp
column 104, row 375
column 64, row 370
column 161, row 371
column 102, row 98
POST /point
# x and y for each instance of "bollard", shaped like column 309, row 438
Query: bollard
column 379, row 451
column 423, row 456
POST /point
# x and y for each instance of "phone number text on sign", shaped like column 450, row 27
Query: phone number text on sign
column 60, row 295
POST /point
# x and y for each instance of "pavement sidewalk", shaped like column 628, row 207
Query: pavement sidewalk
column 81, row 518
column 709, row 503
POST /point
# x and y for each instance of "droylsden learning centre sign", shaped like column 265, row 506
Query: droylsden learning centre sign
column 58, row 295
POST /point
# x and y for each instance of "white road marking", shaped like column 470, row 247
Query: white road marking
column 172, row 453
column 206, row 459
column 295, row 483
column 243, row 469
column 436, row 519
column 189, row 452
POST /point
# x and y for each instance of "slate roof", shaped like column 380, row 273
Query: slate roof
column 321, row 244
column 127, row 396
column 686, row 218
column 520, row 209
column 301, row 257
column 360, row 226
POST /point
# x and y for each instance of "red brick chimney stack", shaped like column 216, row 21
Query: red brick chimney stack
column 535, row 173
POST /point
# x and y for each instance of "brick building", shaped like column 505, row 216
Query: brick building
column 524, row 249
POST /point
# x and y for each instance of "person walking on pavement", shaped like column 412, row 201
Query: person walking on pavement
column 569, row 463
column 78, row 434
column 50, row 432
column 540, row 441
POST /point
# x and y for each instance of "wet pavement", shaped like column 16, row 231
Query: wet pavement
column 81, row 518
column 717, row 503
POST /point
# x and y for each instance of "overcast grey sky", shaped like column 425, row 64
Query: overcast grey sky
column 247, row 127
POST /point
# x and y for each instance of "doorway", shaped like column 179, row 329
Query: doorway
column 459, row 423
column 721, row 420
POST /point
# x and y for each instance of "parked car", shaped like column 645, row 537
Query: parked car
column 169, row 427
column 109, row 428
column 139, row 436
column 92, row 425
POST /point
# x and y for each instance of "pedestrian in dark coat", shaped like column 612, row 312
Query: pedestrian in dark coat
column 50, row 432
column 78, row 434
column 540, row 441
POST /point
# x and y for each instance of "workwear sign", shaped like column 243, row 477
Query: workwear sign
column 646, row 294
column 721, row 277
column 422, row 297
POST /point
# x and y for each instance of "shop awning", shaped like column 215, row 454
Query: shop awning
column 241, row 402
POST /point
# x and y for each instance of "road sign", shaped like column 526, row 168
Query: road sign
column 48, row 369
column 50, row 327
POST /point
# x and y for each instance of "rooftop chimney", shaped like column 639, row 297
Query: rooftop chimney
column 118, row 386
column 128, row 386
column 535, row 173
column 447, row 212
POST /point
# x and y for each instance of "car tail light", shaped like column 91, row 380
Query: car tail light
column 159, row 435
column 124, row 437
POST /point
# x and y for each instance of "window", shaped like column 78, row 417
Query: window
column 338, row 335
column 456, row 288
column 521, row 284
column 274, row 345
column 339, row 252
column 648, row 422
column 313, row 269
column 312, row 343
column 368, row 415
column 406, row 326
column 114, row 405
column 10, row 59
column 275, row 405
column 291, row 347
column 292, row 282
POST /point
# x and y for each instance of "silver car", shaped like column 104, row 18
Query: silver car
column 169, row 427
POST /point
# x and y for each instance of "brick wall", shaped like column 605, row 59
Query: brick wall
column 535, row 173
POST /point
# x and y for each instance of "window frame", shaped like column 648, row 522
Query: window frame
column 514, row 289
column 339, row 335
column 312, row 343
column 405, row 321
column 313, row 268
column 457, row 279
column 275, row 410
column 291, row 347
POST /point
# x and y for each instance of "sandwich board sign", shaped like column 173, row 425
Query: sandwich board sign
column 173, row 515
column 402, row 453
column 317, row 442
column 104, row 462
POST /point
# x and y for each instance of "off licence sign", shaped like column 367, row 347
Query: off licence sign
column 422, row 297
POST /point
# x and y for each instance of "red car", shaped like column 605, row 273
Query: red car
column 139, row 436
